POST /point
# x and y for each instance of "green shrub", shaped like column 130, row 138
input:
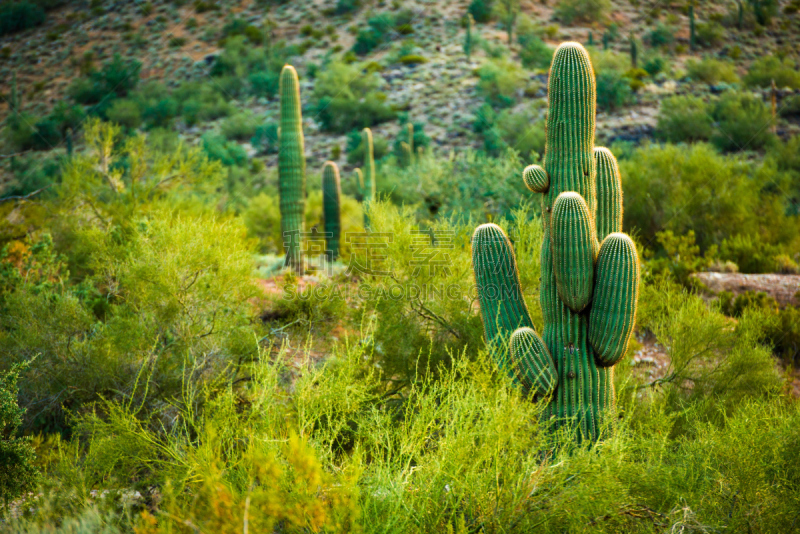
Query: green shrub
column 534, row 53
column 682, row 188
column 226, row 152
column 613, row 90
column 709, row 34
column 160, row 113
column 655, row 65
column 522, row 131
column 202, row 102
column 684, row 119
column 764, row 10
column 500, row 80
column 481, row 10
column 344, row 7
column 20, row 16
column 125, row 112
column 265, row 138
column 680, row 257
column 18, row 472
column 762, row 71
column 115, row 79
column 345, row 99
column 711, row 71
column 570, row 11
column 264, row 83
column 750, row 253
column 661, row 35
column 239, row 127
column 742, row 122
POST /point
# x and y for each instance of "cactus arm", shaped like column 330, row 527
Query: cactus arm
column 536, row 179
column 503, row 308
column 291, row 163
column 531, row 362
column 613, row 312
column 574, row 245
column 331, row 204
column 608, row 219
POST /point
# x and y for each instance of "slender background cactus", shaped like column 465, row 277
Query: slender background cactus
column 691, row 27
column 468, row 37
column 590, row 271
column 368, row 188
column 331, row 207
column 291, row 166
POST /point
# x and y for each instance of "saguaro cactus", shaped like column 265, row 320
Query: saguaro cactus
column 291, row 166
column 634, row 52
column 368, row 187
column 331, row 198
column 691, row 27
column 590, row 271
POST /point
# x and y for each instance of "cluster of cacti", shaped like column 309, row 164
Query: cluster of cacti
column 366, row 181
column 590, row 271
column 691, row 27
column 468, row 37
column 331, row 207
column 291, row 166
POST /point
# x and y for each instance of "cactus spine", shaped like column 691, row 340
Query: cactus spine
column 368, row 187
column 691, row 26
column 331, row 202
column 590, row 271
column 291, row 166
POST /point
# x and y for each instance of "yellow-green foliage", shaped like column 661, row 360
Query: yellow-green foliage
column 288, row 487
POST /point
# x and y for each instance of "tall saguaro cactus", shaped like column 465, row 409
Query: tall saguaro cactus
column 691, row 27
column 331, row 198
column 291, row 166
column 368, row 188
column 590, row 271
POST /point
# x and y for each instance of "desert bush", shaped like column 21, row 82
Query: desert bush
column 655, row 64
column 18, row 473
column 768, row 68
column 709, row 357
column 481, row 10
column 421, row 141
column 125, row 112
column 570, row 11
column 20, row 16
column 750, row 253
column 499, row 82
column 684, row 119
column 680, row 257
column 344, row 99
column 709, row 34
column 522, row 131
column 217, row 148
column 743, row 122
column 239, row 127
column 201, row 102
column 534, row 53
column 764, row 10
column 265, row 83
column 613, row 90
column 466, row 185
column 683, row 188
column 711, row 71
column 660, row 35
column 114, row 80
column 265, row 138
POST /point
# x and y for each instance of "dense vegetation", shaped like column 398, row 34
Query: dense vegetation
column 162, row 371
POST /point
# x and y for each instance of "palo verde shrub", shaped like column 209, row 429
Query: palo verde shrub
column 570, row 11
column 345, row 99
column 711, row 71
